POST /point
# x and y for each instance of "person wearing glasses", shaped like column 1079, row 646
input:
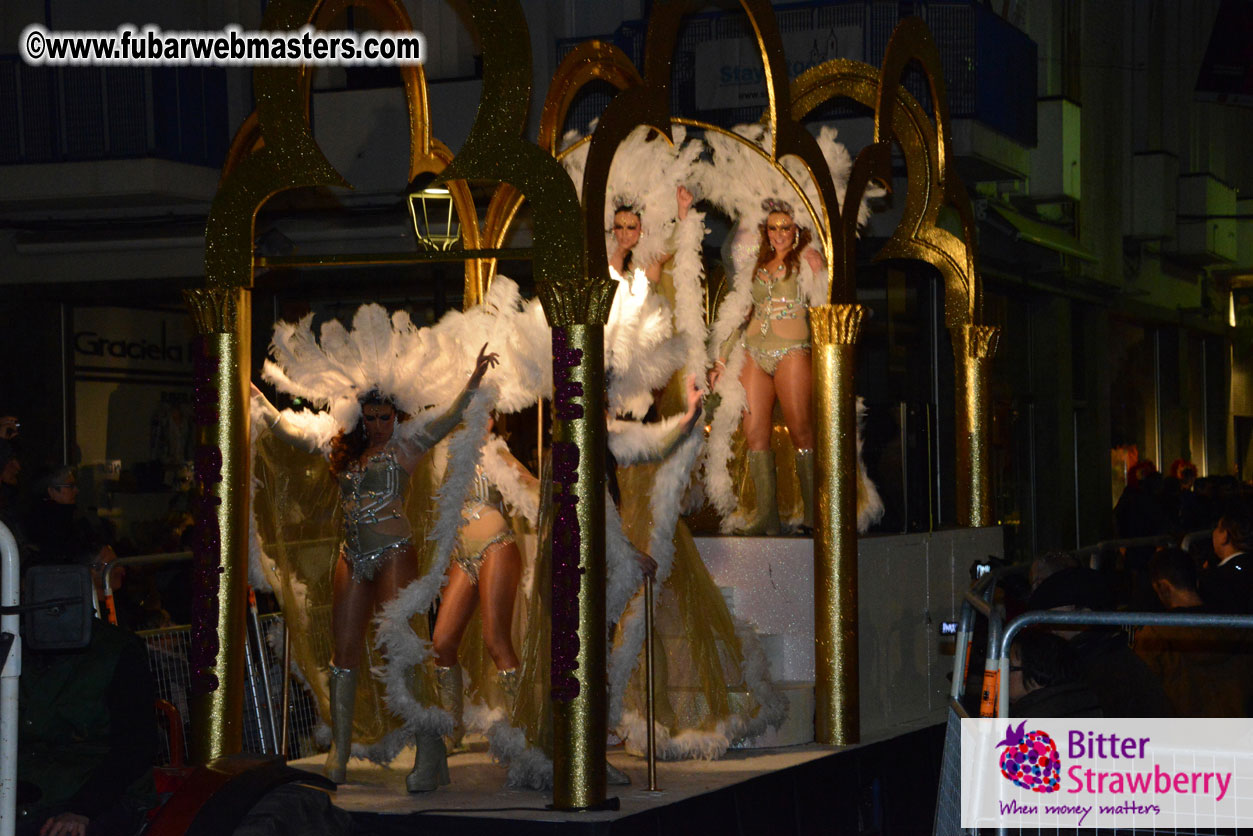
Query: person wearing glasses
column 57, row 533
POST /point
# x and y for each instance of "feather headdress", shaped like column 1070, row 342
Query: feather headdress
column 383, row 354
column 645, row 172
column 641, row 351
column 748, row 188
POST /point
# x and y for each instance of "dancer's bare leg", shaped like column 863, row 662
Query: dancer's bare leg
column 793, row 387
column 498, row 587
column 395, row 574
column 352, row 606
column 759, row 412
column 456, row 607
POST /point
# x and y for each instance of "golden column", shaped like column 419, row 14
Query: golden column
column 835, row 330
column 223, row 321
column 578, row 573
column 974, row 347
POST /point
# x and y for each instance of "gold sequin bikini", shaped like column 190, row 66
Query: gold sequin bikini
column 470, row 551
column 776, row 297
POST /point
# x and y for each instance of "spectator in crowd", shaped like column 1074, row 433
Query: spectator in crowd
column 1227, row 586
column 86, row 739
column 1049, row 564
column 57, row 532
column 10, row 468
column 1122, row 682
column 1148, row 507
column 9, row 426
column 1044, row 679
column 1204, row 670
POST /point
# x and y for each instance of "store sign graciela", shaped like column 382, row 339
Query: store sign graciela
column 729, row 71
column 132, row 340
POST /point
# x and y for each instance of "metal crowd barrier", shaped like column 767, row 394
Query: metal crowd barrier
column 1113, row 619
column 979, row 600
column 168, row 654
column 1097, row 553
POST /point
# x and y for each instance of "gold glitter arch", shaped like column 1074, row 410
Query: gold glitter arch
column 931, row 185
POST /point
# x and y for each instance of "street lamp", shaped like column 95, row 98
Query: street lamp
column 434, row 218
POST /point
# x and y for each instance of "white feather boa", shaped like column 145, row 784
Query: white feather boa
column 401, row 647
column 665, row 503
column 689, row 302
column 521, row 498
column 641, row 350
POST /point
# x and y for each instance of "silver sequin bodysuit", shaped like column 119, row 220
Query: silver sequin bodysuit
column 373, row 500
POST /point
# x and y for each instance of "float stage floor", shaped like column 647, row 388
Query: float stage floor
column 886, row 786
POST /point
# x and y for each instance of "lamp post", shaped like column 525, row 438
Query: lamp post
column 434, row 216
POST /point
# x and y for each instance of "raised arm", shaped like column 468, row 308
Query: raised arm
column 632, row 442
column 440, row 426
column 280, row 425
column 815, row 260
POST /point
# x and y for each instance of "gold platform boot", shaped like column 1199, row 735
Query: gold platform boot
column 805, row 474
column 765, row 519
column 343, row 686
column 451, row 696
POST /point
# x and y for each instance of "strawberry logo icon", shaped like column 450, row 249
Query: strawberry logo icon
column 1030, row 759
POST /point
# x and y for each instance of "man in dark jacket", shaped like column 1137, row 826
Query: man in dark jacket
column 87, row 737
column 1227, row 586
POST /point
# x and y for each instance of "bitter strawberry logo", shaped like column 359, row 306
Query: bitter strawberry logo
column 1030, row 760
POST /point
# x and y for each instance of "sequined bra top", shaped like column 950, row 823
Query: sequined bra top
column 776, row 295
column 483, row 495
column 373, row 499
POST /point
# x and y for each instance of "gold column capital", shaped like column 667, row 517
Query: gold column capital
column 982, row 341
column 568, row 304
column 214, row 310
column 836, row 324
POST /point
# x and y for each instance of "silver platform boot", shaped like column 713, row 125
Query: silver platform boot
column 343, row 687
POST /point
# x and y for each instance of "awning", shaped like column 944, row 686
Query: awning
column 1041, row 234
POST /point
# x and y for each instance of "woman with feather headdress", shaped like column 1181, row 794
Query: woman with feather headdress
column 713, row 686
column 376, row 434
column 760, row 341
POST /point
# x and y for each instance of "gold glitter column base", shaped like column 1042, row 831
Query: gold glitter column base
column 223, row 316
column 837, row 705
column 579, row 725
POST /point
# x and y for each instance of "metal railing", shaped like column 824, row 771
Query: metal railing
column 1105, row 619
column 278, row 717
column 10, row 625
column 1098, row 552
column 168, row 659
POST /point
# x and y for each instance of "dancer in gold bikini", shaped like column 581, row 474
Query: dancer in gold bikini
column 760, row 339
column 775, row 335
column 484, row 573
